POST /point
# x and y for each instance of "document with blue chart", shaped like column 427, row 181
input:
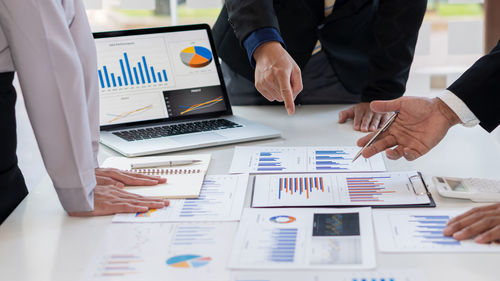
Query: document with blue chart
column 278, row 160
column 179, row 251
column 221, row 199
column 376, row 275
column 421, row 231
column 282, row 238
column 394, row 189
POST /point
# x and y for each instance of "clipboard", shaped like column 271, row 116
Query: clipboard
column 416, row 184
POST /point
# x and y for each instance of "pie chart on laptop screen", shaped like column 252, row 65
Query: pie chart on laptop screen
column 196, row 56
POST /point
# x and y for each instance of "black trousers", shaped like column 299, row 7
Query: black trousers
column 12, row 186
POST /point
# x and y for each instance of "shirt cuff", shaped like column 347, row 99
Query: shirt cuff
column 460, row 108
column 258, row 37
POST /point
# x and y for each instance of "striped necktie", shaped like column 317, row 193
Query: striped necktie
column 328, row 11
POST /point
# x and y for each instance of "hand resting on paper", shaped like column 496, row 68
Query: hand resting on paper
column 481, row 223
column 110, row 198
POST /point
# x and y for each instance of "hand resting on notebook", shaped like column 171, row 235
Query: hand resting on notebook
column 110, row 198
column 115, row 177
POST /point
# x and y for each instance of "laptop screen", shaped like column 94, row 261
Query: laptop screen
column 158, row 74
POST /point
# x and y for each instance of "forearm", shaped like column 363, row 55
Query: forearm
column 85, row 46
column 52, row 81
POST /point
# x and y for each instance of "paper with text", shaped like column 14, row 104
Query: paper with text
column 345, row 189
column 421, row 231
column 265, row 160
column 304, row 239
column 221, row 199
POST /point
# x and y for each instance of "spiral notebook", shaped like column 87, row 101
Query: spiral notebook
column 182, row 181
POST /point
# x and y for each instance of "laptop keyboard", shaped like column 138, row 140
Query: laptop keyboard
column 177, row 129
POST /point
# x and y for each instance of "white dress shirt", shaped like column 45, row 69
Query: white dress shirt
column 50, row 46
column 463, row 112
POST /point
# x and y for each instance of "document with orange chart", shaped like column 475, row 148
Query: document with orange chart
column 162, row 251
column 394, row 189
column 221, row 199
column 182, row 181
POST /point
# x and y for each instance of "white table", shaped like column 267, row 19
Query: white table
column 40, row 242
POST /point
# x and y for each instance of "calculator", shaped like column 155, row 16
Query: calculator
column 475, row 189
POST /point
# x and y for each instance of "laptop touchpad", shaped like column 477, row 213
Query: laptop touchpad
column 198, row 138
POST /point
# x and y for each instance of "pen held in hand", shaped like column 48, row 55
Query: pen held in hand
column 384, row 127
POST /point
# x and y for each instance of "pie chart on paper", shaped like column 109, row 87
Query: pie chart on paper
column 188, row 261
column 196, row 56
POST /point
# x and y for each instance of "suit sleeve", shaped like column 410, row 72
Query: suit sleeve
column 246, row 16
column 52, row 79
column 479, row 89
column 395, row 33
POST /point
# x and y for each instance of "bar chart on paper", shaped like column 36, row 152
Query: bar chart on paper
column 264, row 160
column 421, row 232
column 296, row 190
column 133, row 64
column 340, row 189
column 271, row 246
column 221, row 199
column 292, row 238
column 268, row 160
column 339, row 159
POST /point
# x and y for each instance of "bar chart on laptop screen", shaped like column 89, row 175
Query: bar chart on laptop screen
column 133, row 64
column 132, row 74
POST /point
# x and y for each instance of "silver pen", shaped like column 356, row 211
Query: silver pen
column 384, row 127
column 169, row 163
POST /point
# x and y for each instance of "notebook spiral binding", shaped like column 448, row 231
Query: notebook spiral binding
column 166, row 171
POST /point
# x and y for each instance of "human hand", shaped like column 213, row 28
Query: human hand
column 109, row 200
column 482, row 223
column 118, row 178
column 277, row 76
column 364, row 118
column 420, row 125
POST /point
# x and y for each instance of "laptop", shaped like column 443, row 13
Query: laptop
column 162, row 90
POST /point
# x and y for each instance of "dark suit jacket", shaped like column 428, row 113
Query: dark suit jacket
column 479, row 89
column 369, row 43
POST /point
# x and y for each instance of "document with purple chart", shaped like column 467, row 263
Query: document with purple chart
column 181, row 251
column 278, row 160
column 304, row 239
column 221, row 199
column 341, row 189
column 421, row 231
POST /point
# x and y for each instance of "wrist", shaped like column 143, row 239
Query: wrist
column 265, row 48
column 447, row 112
